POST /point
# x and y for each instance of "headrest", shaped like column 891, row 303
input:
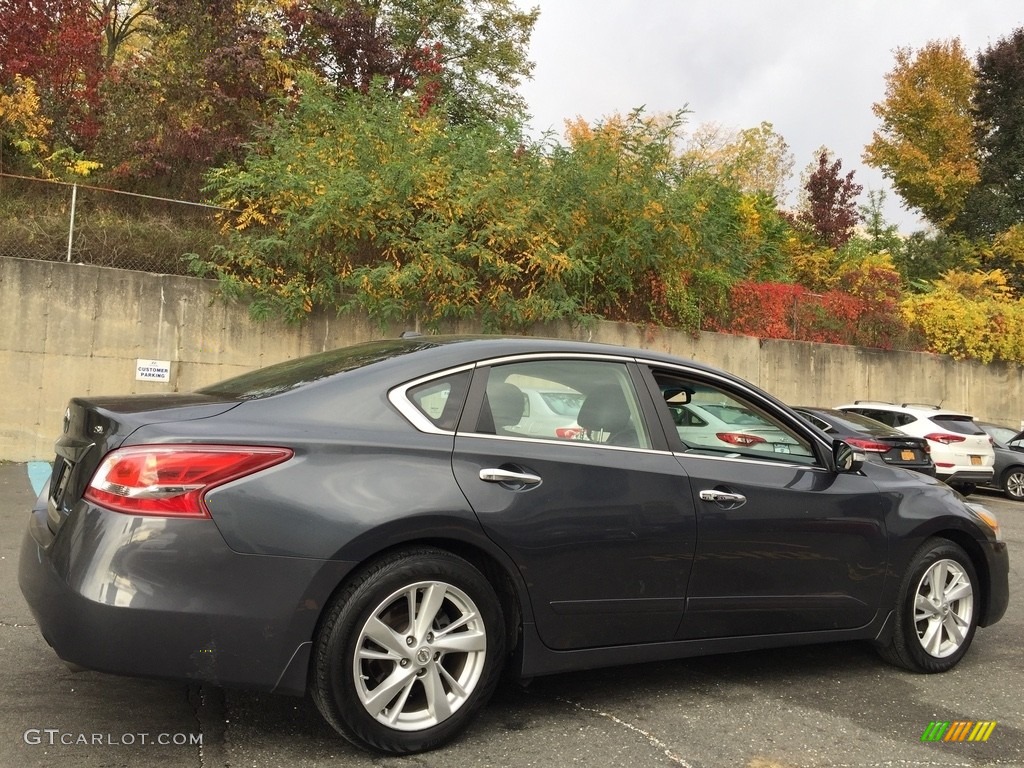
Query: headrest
column 604, row 409
column 507, row 403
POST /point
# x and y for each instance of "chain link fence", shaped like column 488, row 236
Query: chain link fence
column 83, row 224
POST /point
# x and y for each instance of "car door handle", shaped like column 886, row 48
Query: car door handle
column 723, row 497
column 496, row 475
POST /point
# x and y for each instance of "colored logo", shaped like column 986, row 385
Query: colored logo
column 959, row 730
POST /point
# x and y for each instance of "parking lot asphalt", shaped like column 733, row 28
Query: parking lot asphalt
column 832, row 705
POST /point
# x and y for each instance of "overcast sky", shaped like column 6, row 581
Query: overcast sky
column 812, row 69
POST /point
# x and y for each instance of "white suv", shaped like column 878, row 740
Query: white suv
column 962, row 451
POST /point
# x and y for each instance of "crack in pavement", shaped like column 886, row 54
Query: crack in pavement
column 651, row 739
column 208, row 710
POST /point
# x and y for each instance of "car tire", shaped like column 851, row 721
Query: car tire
column 937, row 610
column 1013, row 483
column 408, row 652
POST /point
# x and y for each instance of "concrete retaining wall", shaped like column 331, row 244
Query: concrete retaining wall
column 70, row 329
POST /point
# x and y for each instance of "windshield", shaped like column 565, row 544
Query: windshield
column 1003, row 434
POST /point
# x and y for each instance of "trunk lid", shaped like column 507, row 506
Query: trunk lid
column 94, row 426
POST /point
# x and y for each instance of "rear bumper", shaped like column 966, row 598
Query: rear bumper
column 975, row 475
column 156, row 597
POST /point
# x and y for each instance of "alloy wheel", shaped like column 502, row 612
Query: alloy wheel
column 943, row 608
column 1014, row 484
column 419, row 656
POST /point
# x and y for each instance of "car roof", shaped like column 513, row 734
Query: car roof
column 918, row 409
column 421, row 355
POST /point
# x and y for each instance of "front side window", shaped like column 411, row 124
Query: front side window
column 710, row 420
column 580, row 400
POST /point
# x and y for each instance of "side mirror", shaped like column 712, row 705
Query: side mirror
column 846, row 459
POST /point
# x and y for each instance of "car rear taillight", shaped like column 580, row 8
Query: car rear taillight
column 739, row 438
column 171, row 480
column 945, row 438
column 871, row 446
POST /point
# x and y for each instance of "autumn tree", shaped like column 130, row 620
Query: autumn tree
column 757, row 160
column 24, row 130
column 831, row 209
column 925, row 144
column 55, row 43
column 472, row 51
column 882, row 235
column 926, row 256
column 997, row 202
column 191, row 99
column 120, row 21
column 360, row 201
column 970, row 315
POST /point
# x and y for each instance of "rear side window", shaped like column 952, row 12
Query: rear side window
column 963, row 425
column 441, row 400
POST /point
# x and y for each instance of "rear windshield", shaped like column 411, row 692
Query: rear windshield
column 275, row 379
column 963, row 424
column 855, row 422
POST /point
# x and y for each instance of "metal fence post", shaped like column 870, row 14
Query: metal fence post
column 71, row 228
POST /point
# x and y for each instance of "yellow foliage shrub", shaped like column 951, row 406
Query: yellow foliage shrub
column 970, row 315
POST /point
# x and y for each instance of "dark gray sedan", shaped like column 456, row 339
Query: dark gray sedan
column 1008, row 444
column 381, row 527
column 878, row 441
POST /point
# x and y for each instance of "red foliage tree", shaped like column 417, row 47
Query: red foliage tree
column 785, row 311
column 57, row 43
column 350, row 48
column 191, row 101
column 832, row 203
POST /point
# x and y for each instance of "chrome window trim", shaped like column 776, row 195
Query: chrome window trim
column 399, row 397
column 748, row 460
column 599, row 356
column 565, row 443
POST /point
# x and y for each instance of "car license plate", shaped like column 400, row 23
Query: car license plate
column 907, row 455
column 63, row 475
column 975, row 460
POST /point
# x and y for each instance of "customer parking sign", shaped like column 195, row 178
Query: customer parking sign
column 153, row 370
